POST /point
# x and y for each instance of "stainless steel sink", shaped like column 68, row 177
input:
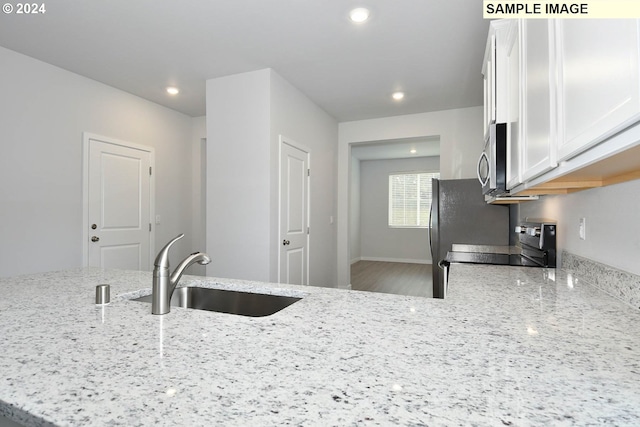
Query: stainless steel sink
column 223, row 301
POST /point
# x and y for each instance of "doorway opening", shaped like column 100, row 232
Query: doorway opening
column 385, row 257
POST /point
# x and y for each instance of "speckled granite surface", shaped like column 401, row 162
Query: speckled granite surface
column 511, row 346
column 617, row 283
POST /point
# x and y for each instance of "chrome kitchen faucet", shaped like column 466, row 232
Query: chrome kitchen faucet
column 164, row 282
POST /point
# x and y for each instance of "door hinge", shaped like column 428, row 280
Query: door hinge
column 308, row 172
column 307, row 230
column 149, row 170
column 149, row 226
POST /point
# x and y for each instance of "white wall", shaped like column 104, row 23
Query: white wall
column 460, row 133
column 613, row 228
column 43, row 112
column 198, row 190
column 238, row 153
column 379, row 242
column 246, row 114
column 294, row 116
column 355, row 251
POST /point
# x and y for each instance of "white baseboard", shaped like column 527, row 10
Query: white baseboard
column 354, row 260
column 403, row 260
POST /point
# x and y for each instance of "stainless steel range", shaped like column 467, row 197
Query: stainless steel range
column 536, row 247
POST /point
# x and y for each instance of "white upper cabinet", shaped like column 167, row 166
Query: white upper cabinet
column 569, row 91
column 538, row 114
column 493, row 72
column 513, row 107
column 501, row 74
column 598, row 81
column 489, row 81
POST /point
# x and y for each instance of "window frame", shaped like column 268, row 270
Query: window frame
column 390, row 198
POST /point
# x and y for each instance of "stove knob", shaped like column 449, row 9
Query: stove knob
column 520, row 229
column 535, row 232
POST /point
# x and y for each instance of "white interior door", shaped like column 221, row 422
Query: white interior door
column 294, row 215
column 118, row 227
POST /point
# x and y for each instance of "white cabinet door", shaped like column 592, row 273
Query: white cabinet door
column 488, row 76
column 598, row 81
column 513, row 107
column 538, row 114
column 494, row 71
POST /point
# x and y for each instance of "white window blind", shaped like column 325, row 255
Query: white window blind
column 410, row 199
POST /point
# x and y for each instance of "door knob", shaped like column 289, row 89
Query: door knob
column 95, row 239
column 285, row 242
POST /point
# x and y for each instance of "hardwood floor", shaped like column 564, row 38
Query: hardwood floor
column 392, row 278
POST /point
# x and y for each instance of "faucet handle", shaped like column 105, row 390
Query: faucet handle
column 162, row 260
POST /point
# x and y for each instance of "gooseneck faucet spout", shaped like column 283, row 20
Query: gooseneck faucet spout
column 164, row 282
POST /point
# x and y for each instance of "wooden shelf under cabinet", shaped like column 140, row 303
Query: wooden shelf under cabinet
column 621, row 167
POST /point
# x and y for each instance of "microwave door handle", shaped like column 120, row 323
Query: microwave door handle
column 483, row 182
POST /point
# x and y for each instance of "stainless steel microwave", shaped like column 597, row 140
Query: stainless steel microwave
column 492, row 165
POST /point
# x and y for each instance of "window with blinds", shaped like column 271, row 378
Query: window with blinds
column 410, row 199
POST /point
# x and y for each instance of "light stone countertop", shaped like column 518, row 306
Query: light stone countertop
column 510, row 346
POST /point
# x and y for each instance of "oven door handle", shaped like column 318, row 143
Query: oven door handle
column 444, row 266
column 430, row 231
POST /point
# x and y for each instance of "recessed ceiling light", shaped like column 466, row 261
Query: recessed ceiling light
column 173, row 90
column 359, row 15
column 413, row 151
column 398, row 96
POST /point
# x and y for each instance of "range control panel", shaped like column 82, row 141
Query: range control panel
column 538, row 241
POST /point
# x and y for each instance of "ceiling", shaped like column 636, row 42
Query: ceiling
column 430, row 49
